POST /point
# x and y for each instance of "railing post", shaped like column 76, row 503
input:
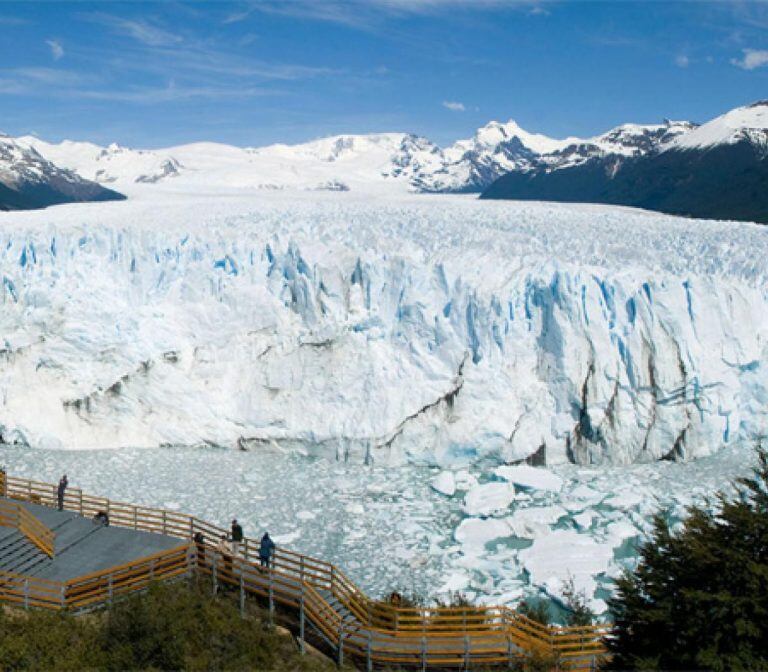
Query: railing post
column 301, row 619
column 26, row 593
column 340, row 660
column 213, row 573
column 63, row 597
column 242, row 594
column 164, row 522
column 152, row 570
column 369, row 653
column 109, row 589
column 466, row 652
column 509, row 651
column 81, row 501
column 424, row 654
column 271, row 592
column 135, row 519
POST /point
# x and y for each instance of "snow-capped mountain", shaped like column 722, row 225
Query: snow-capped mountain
column 27, row 180
column 718, row 170
column 747, row 124
column 625, row 141
column 106, row 165
column 385, row 161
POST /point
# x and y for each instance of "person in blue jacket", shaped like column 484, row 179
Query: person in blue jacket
column 266, row 550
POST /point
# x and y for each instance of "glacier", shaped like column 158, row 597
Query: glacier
column 440, row 330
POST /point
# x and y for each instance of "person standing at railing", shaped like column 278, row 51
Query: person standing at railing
column 266, row 550
column 237, row 537
column 61, row 491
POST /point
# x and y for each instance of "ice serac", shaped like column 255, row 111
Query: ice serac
column 443, row 332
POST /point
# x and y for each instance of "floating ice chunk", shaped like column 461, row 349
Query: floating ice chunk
column 584, row 520
column 456, row 581
column 625, row 499
column 489, row 498
column 554, row 559
column 588, row 495
column 355, row 508
column 287, row 538
column 617, row 533
column 530, row 477
column 465, row 480
column 444, row 483
column 474, row 533
column 535, row 521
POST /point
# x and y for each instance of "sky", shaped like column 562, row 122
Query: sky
column 154, row 74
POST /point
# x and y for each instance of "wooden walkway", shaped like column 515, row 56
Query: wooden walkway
column 319, row 595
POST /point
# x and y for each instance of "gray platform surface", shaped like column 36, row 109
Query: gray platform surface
column 83, row 547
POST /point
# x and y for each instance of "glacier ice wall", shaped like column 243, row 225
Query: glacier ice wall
column 443, row 333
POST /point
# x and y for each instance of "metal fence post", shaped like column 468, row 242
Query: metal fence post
column 164, row 521
column 152, row 570
column 242, row 594
column 26, row 593
column 341, row 645
column 109, row 589
column 424, row 654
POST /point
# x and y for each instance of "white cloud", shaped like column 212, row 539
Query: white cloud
column 454, row 106
column 140, row 31
column 682, row 61
column 57, row 51
column 752, row 59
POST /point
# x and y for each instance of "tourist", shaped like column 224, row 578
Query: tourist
column 237, row 537
column 266, row 550
column 61, row 490
column 101, row 518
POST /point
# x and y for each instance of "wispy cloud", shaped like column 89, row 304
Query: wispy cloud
column 366, row 14
column 751, row 59
column 454, row 106
column 682, row 61
column 173, row 93
column 57, row 51
column 139, row 30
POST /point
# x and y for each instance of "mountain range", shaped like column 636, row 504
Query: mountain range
column 715, row 170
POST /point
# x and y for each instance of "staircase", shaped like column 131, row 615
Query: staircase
column 18, row 555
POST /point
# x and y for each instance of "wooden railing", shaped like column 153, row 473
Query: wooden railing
column 13, row 514
column 379, row 633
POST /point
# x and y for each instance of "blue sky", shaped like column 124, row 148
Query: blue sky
column 150, row 74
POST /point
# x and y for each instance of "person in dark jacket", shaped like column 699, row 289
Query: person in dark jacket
column 61, row 491
column 266, row 550
column 237, row 537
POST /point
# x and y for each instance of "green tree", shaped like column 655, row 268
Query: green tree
column 698, row 598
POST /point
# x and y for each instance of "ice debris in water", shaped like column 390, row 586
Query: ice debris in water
column 530, row 477
column 444, row 483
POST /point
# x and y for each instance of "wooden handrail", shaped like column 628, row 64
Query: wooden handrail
column 385, row 634
column 13, row 514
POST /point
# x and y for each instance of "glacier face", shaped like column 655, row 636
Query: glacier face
column 437, row 329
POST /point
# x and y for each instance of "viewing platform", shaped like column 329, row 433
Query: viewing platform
column 64, row 560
